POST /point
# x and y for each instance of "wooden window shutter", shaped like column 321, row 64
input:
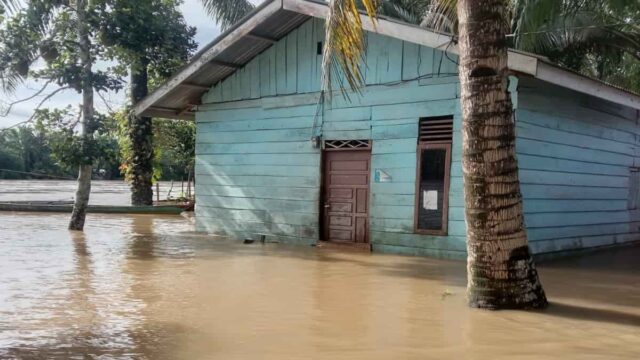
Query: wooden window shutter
column 436, row 130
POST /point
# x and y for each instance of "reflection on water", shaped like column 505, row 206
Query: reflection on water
column 145, row 287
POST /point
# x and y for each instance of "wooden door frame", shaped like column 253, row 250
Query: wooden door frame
column 322, row 217
column 445, row 197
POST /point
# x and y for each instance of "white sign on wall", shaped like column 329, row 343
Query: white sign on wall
column 430, row 199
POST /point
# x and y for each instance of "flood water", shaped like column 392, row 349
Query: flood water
column 141, row 287
column 103, row 192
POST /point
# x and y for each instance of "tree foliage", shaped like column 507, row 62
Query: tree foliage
column 26, row 150
column 597, row 38
column 68, row 150
column 154, row 30
column 38, row 41
column 150, row 39
column 173, row 147
column 48, row 149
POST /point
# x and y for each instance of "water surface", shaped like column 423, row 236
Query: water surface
column 103, row 192
column 141, row 287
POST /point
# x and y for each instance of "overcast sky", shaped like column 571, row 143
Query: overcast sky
column 194, row 15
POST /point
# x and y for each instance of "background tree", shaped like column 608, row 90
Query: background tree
column 175, row 149
column 152, row 38
column 173, row 146
column 56, row 128
column 63, row 34
column 45, row 148
column 599, row 38
column 24, row 153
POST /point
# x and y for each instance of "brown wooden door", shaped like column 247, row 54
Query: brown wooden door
column 346, row 196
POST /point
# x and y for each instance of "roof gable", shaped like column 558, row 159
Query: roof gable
column 293, row 65
column 274, row 19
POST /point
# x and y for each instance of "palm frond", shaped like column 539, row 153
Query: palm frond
column 411, row 11
column 20, row 37
column 344, row 48
column 227, row 12
column 442, row 16
column 9, row 5
column 544, row 26
column 9, row 81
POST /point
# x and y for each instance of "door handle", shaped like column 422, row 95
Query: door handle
column 327, row 206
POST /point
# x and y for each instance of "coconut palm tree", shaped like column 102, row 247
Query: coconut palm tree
column 501, row 272
column 227, row 12
column 597, row 38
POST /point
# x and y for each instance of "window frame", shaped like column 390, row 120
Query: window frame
column 445, row 201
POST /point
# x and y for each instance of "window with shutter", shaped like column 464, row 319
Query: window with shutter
column 433, row 172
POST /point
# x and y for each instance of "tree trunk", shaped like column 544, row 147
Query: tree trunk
column 501, row 272
column 141, row 137
column 84, row 177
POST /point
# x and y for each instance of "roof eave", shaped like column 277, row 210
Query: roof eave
column 518, row 62
column 242, row 29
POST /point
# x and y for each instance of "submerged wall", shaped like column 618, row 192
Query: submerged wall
column 575, row 154
column 258, row 172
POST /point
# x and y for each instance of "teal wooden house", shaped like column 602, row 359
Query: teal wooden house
column 382, row 170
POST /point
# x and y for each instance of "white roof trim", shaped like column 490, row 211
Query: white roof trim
column 574, row 81
column 398, row 30
column 518, row 61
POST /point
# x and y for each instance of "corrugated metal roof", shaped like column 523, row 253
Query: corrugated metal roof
column 184, row 92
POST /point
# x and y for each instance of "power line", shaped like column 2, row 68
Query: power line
column 37, row 174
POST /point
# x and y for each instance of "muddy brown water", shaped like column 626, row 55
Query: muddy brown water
column 141, row 287
column 103, row 192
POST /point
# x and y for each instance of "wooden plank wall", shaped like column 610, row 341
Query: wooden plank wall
column 293, row 66
column 575, row 154
column 258, row 173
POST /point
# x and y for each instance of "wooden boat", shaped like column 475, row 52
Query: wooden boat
column 67, row 207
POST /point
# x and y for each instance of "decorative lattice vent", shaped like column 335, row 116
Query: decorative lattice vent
column 436, row 130
column 346, row 144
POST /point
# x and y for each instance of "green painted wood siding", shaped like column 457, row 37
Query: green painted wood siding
column 258, row 173
column 293, row 66
column 575, row 153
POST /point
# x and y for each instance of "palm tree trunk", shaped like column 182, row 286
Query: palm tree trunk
column 501, row 271
column 84, row 177
column 141, row 137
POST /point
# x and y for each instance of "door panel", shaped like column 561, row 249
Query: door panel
column 346, row 191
